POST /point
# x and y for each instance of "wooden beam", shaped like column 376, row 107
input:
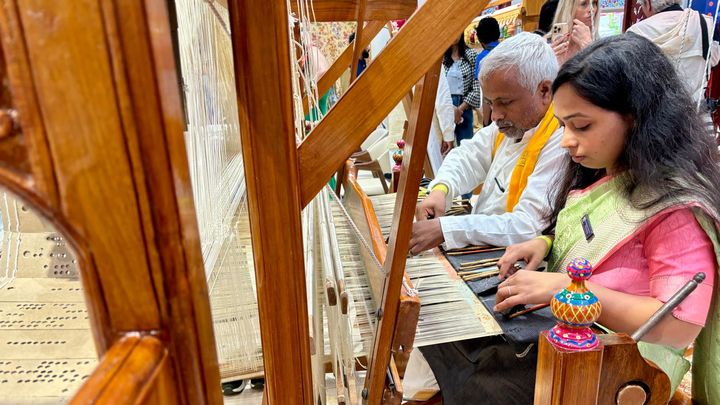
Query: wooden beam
column 106, row 370
column 270, row 157
column 167, row 200
column 343, row 61
column 127, row 373
column 91, row 144
column 346, row 10
column 412, row 167
column 359, row 33
column 24, row 99
column 383, row 84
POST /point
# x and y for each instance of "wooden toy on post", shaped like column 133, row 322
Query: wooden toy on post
column 576, row 309
column 398, row 158
column 571, row 345
column 577, row 367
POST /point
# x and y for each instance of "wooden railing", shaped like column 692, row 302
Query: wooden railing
column 128, row 374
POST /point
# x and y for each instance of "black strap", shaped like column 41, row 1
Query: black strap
column 705, row 42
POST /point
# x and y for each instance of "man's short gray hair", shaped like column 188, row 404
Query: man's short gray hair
column 529, row 53
column 660, row 5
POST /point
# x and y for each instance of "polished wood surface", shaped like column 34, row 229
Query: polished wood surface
column 359, row 34
column 127, row 373
column 414, row 157
column 108, row 368
column 98, row 148
column 361, row 209
column 270, row 160
column 565, row 377
column 103, row 135
column 623, row 363
column 346, row 10
column 378, row 90
column 73, row 130
column 24, row 156
column 598, row 376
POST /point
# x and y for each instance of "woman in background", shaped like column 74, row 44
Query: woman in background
column 582, row 19
column 459, row 63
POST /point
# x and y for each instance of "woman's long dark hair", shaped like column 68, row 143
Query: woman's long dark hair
column 667, row 149
column 462, row 46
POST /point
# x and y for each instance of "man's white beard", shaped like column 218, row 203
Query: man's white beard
column 516, row 134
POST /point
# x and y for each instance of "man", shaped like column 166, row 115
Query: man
column 515, row 167
column 363, row 61
column 488, row 33
column 679, row 34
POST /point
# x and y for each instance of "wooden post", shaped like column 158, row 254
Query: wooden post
column 113, row 179
column 616, row 370
column 565, row 377
column 359, row 33
column 415, row 151
column 262, row 64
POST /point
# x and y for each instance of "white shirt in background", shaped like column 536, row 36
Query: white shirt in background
column 442, row 128
column 678, row 35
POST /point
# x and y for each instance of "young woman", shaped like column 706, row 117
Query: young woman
column 640, row 201
column 459, row 63
column 582, row 19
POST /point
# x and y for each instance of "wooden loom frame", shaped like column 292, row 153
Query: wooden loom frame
column 367, row 102
column 98, row 150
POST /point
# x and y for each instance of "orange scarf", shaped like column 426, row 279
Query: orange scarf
column 525, row 165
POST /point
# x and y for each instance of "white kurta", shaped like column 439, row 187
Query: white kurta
column 442, row 127
column 678, row 34
column 472, row 164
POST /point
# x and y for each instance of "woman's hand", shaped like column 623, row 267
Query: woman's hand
column 560, row 46
column 528, row 287
column 532, row 252
column 580, row 35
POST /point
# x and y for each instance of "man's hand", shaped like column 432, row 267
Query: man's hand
column 446, row 147
column 426, row 235
column 432, row 207
column 458, row 116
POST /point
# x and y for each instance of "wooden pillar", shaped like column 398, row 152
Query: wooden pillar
column 262, row 66
column 565, row 377
column 414, row 157
column 615, row 372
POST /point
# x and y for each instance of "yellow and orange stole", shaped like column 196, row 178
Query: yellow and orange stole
column 525, row 165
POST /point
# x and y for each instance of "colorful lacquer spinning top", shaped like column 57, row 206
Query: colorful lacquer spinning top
column 398, row 153
column 575, row 308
